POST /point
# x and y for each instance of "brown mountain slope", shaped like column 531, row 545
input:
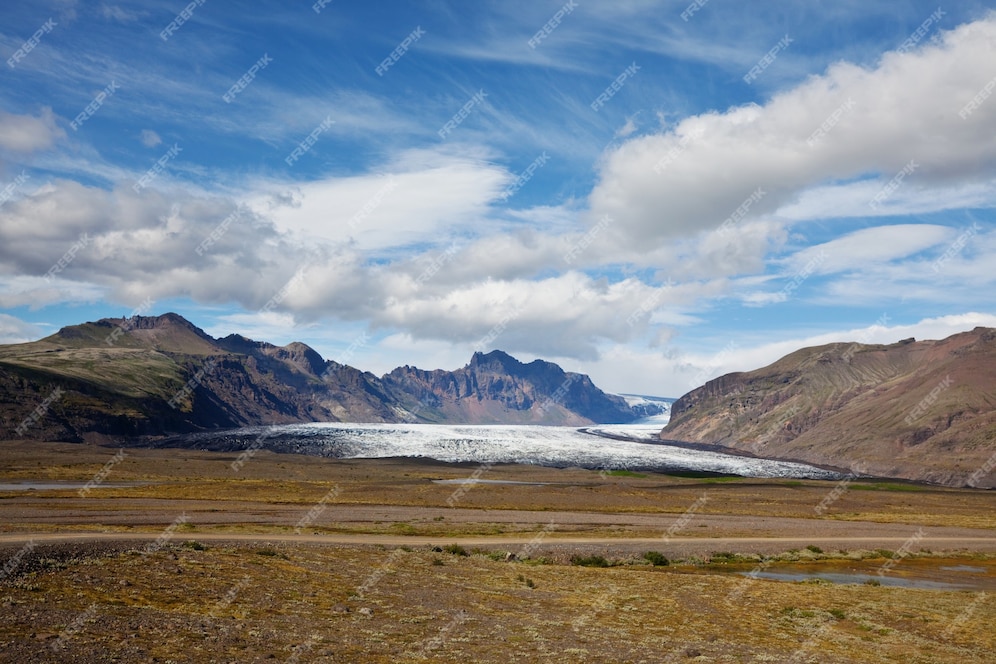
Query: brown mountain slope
column 161, row 374
column 917, row 410
column 155, row 375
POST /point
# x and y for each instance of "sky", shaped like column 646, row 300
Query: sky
column 654, row 193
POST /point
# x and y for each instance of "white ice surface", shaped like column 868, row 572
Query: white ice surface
column 540, row 445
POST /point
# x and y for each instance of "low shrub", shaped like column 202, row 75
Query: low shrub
column 589, row 561
column 656, row 558
column 722, row 557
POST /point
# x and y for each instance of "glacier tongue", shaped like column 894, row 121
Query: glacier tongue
column 594, row 448
column 654, row 410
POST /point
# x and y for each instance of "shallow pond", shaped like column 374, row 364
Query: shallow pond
column 54, row 486
column 924, row 573
column 472, row 480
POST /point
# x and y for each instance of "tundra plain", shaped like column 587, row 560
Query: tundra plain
column 174, row 555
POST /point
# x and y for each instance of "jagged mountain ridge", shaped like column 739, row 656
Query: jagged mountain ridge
column 123, row 377
column 496, row 384
column 917, row 410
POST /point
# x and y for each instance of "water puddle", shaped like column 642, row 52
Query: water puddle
column 926, row 574
column 471, row 480
column 883, row 580
column 55, row 486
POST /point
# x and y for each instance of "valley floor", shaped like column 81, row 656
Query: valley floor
column 173, row 555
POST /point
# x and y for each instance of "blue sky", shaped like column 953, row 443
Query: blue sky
column 650, row 192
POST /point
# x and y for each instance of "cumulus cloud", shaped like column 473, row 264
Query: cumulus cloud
column 419, row 196
column 873, row 121
column 168, row 244
column 724, row 253
column 564, row 315
column 146, row 245
column 38, row 292
column 29, row 133
column 419, row 249
column 15, row 331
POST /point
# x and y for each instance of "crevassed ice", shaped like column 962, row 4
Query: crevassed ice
column 540, row 445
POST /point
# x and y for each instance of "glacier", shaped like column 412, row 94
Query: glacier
column 610, row 447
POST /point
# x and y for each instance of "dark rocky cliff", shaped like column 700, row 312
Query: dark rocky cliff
column 497, row 388
column 154, row 375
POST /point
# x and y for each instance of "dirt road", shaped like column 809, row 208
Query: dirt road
column 539, row 544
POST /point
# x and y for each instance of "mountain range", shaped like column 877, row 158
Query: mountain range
column 920, row 410
column 162, row 375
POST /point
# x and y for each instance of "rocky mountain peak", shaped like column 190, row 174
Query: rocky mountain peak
column 194, row 381
column 495, row 359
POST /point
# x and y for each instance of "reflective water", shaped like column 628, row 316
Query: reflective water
column 884, row 580
column 471, row 480
column 50, row 486
column 923, row 573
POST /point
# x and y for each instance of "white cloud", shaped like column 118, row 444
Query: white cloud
column 957, row 271
column 740, row 250
column 928, row 328
column 748, row 358
column 851, row 200
column 145, row 246
column 270, row 326
column 15, row 331
column 29, row 133
column 400, row 349
column 149, row 138
column 674, row 372
column 627, row 129
column 869, row 247
column 139, row 246
column 568, row 315
column 421, row 197
column 763, row 298
column 37, row 292
column 906, row 108
column 118, row 13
